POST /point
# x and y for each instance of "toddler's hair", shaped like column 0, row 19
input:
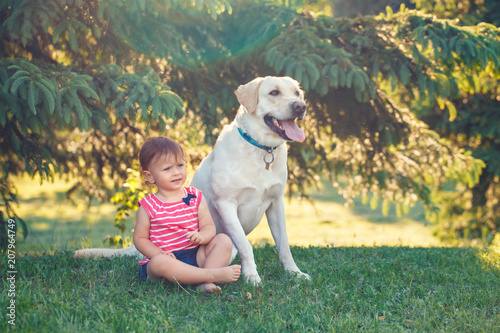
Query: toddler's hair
column 159, row 147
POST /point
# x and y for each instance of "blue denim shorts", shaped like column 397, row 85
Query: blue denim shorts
column 186, row 256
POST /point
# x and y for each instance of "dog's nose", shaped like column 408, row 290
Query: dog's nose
column 299, row 108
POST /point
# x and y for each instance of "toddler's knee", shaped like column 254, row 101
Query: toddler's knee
column 224, row 240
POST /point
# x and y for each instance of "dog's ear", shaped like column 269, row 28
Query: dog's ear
column 248, row 94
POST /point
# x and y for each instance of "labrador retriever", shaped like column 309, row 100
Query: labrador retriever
column 245, row 174
column 244, row 177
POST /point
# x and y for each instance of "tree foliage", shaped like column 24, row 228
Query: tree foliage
column 471, row 213
column 82, row 83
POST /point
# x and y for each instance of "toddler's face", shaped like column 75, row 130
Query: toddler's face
column 167, row 173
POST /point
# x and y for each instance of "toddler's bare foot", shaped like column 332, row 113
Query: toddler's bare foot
column 227, row 274
column 208, row 288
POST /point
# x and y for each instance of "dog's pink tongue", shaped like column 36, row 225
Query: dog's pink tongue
column 292, row 130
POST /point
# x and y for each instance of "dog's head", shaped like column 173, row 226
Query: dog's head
column 274, row 104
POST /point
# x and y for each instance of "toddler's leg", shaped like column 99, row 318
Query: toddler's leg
column 164, row 266
column 215, row 254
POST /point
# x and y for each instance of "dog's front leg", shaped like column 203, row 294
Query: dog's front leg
column 277, row 223
column 228, row 214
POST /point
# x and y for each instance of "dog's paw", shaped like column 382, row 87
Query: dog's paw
column 253, row 279
column 251, row 276
column 301, row 275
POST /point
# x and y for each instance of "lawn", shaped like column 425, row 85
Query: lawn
column 375, row 289
column 369, row 273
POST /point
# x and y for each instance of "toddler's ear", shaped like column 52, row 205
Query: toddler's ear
column 148, row 176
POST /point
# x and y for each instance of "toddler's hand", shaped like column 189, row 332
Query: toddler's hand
column 168, row 254
column 196, row 237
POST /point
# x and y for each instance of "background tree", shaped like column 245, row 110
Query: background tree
column 84, row 81
column 354, row 8
column 470, row 212
column 465, row 212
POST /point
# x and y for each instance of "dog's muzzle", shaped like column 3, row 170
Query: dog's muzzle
column 287, row 128
column 299, row 109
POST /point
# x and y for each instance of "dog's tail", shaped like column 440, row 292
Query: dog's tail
column 97, row 253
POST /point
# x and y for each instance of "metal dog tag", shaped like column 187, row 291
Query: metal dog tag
column 268, row 163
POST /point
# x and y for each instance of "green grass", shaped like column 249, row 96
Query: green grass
column 376, row 289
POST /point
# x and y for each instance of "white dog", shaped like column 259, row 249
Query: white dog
column 245, row 174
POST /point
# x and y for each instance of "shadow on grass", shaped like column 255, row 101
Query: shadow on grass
column 329, row 194
column 55, row 220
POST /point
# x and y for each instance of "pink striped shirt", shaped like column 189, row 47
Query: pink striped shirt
column 171, row 222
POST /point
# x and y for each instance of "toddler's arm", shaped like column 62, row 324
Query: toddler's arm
column 141, row 235
column 206, row 225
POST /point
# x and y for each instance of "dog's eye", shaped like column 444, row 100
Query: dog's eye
column 274, row 93
column 297, row 93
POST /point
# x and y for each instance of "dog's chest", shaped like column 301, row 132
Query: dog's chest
column 245, row 181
